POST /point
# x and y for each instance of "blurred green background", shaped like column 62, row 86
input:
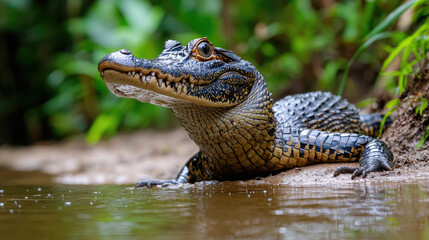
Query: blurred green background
column 49, row 50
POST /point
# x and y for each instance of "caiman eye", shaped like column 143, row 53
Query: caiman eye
column 205, row 50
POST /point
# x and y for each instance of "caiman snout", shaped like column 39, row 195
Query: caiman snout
column 122, row 57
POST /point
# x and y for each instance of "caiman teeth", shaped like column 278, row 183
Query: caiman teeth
column 178, row 85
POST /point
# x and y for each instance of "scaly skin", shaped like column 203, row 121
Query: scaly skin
column 223, row 103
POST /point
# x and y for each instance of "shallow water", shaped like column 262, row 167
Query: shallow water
column 228, row 210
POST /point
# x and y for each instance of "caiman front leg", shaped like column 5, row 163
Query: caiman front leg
column 192, row 171
column 376, row 156
column 319, row 146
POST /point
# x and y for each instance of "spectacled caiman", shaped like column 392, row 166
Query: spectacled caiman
column 223, row 103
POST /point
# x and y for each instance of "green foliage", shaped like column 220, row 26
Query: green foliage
column 413, row 47
column 297, row 45
column 393, row 16
column 412, row 51
column 375, row 35
column 423, row 139
column 362, row 48
column 422, row 106
column 392, row 106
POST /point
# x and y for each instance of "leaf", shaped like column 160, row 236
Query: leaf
column 392, row 103
column 368, row 16
column 404, row 44
column 365, row 103
column 425, row 136
column 415, row 49
column 392, row 74
column 327, row 80
column 406, row 55
column 365, row 45
column 383, row 121
column 401, row 82
column 81, row 67
column 390, row 18
column 104, row 124
column 423, row 106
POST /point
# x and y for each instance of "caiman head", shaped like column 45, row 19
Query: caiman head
column 198, row 73
column 220, row 99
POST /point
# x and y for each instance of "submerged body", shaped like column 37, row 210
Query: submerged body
column 223, row 103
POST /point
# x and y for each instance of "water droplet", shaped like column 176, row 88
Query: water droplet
column 278, row 212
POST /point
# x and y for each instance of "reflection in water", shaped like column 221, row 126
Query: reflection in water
column 215, row 211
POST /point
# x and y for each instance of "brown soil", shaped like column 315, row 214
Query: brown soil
column 408, row 128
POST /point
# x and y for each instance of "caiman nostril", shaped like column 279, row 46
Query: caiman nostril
column 125, row 51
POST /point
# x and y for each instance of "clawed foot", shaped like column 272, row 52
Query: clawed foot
column 375, row 157
column 155, row 183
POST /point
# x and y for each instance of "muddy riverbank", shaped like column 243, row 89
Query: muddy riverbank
column 128, row 158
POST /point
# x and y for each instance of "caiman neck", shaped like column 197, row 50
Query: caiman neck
column 231, row 136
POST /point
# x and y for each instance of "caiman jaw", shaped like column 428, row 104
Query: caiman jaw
column 148, row 86
column 179, row 75
column 151, row 78
column 143, row 84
